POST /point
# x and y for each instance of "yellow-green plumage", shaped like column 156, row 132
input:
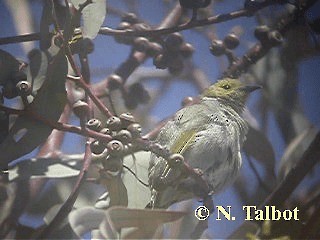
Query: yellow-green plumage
column 209, row 136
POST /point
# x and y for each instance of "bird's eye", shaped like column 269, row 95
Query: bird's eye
column 227, row 86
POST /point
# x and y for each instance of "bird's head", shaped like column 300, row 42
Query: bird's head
column 230, row 91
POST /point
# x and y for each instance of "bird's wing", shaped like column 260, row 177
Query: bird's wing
column 184, row 140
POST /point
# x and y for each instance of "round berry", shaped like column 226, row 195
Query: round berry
column 160, row 61
column 261, row 33
column 115, row 147
column 217, row 48
column 114, row 123
column 130, row 18
column 80, row 108
column 94, row 124
column 24, row 88
column 114, row 81
column 231, row 41
column 186, row 50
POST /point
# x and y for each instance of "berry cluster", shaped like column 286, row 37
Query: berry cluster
column 123, row 130
column 218, row 47
column 166, row 53
column 225, row 47
column 174, row 51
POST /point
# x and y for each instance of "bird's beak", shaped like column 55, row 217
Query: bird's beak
column 250, row 88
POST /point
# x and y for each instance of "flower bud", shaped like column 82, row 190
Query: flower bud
column 174, row 41
column 80, row 108
column 106, row 131
column 123, row 136
column 154, row 49
column 231, row 41
column 114, row 123
column 141, row 44
column 24, row 88
column 261, row 33
column 124, row 39
column 186, row 50
column 115, row 147
column 135, row 130
column 175, row 159
column 114, row 81
column 139, row 27
column 96, row 147
column 187, row 101
column 160, row 61
column 217, row 48
column 130, row 18
column 126, row 119
column 94, row 124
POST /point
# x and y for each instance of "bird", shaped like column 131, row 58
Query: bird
column 209, row 135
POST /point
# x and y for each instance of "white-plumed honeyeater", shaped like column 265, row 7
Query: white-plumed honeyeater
column 209, row 136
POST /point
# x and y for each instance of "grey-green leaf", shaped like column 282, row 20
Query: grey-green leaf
column 295, row 150
column 26, row 133
column 93, row 16
column 43, row 168
column 85, row 219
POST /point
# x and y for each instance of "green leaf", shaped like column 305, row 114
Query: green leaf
column 26, row 133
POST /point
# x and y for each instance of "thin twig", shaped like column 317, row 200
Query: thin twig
column 59, row 125
column 156, row 32
column 191, row 24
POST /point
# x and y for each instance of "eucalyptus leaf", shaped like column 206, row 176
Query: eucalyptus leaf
column 116, row 189
column 185, row 227
column 258, row 146
column 295, row 150
column 138, row 194
column 49, row 104
column 43, row 168
column 36, row 71
column 129, row 186
column 8, row 65
column 51, row 213
column 93, row 16
column 9, row 74
column 85, row 219
column 4, row 126
column 146, row 220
